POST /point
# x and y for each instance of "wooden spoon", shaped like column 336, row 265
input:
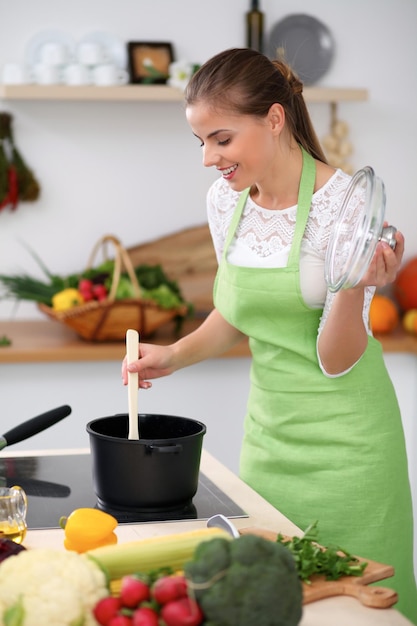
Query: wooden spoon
column 132, row 354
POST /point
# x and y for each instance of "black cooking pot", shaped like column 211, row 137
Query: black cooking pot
column 158, row 471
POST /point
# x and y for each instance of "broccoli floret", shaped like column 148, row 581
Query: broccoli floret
column 247, row 581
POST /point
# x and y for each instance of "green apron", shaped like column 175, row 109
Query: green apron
column 319, row 448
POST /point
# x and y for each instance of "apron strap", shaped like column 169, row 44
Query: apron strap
column 235, row 220
column 305, row 194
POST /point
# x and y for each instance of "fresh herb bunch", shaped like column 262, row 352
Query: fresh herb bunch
column 154, row 284
column 311, row 558
column 5, row 341
column 26, row 287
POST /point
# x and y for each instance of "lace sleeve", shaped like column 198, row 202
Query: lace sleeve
column 221, row 203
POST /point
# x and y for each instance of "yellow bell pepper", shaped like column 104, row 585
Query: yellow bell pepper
column 87, row 528
column 66, row 299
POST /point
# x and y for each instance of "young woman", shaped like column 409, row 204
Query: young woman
column 323, row 434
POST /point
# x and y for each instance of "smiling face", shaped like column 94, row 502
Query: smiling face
column 243, row 148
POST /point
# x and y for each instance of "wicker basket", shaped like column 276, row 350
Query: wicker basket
column 109, row 319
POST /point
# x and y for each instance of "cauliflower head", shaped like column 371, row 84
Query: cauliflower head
column 46, row 586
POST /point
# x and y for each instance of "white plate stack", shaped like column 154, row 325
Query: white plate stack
column 55, row 58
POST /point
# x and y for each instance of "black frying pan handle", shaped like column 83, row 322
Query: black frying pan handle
column 34, row 426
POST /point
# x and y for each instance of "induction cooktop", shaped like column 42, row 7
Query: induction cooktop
column 55, row 485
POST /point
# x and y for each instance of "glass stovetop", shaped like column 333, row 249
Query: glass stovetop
column 56, row 485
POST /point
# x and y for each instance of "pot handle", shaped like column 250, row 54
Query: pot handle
column 34, row 426
column 174, row 448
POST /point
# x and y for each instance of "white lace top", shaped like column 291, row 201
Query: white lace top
column 263, row 237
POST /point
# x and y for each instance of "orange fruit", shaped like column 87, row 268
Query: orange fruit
column 383, row 314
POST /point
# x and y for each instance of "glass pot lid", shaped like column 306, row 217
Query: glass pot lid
column 358, row 228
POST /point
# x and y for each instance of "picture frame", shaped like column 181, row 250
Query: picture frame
column 148, row 61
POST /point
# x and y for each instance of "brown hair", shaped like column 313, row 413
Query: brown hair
column 246, row 81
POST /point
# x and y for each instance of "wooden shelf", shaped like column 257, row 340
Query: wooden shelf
column 398, row 341
column 143, row 93
column 334, row 94
column 190, row 256
column 38, row 341
column 90, row 93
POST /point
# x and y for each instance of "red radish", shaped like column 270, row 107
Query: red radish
column 133, row 591
column 182, row 612
column 120, row 620
column 145, row 616
column 85, row 287
column 99, row 292
column 106, row 609
column 169, row 588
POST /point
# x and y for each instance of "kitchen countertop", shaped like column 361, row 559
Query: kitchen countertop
column 336, row 611
column 36, row 341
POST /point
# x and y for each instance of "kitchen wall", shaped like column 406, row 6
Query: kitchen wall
column 134, row 170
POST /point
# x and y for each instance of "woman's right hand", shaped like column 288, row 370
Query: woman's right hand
column 212, row 338
column 154, row 362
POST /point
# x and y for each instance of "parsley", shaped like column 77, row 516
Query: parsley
column 310, row 558
column 5, row 341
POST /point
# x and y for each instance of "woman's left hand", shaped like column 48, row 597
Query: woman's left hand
column 385, row 263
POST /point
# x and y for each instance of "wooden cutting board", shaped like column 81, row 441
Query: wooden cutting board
column 356, row 586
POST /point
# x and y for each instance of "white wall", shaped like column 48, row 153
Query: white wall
column 94, row 390
column 134, row 169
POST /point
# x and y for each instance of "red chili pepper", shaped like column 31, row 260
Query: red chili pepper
column 12, row 196
column 13, row 187
column 4, row 180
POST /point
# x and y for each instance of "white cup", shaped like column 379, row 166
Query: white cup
column 54, row 53
column 17, row 74
column 48, row 74
column 108, row 74
column 92, row 53
column 77, row 74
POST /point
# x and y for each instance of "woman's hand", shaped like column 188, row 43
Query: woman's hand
column 385, row 263
column 154, row 362
column 214, row 337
